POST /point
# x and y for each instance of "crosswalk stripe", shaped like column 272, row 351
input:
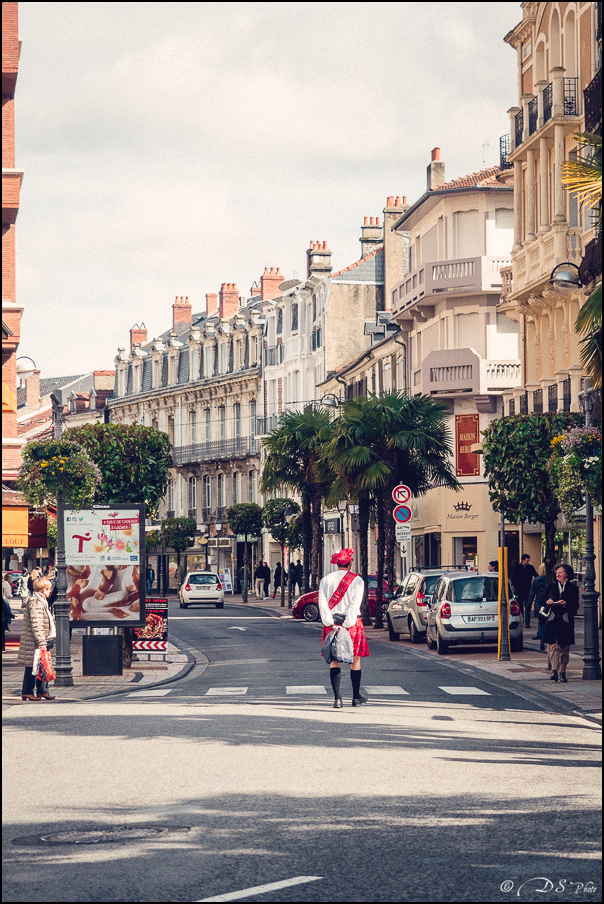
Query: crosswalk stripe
column 157, row 692
column 387, row 690
column 305, row 689
column 226, row 691
column 464, row 691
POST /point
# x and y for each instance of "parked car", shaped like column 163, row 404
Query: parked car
column 407, row 611
column 201, row 588
column 464, row 610
column 307, row 606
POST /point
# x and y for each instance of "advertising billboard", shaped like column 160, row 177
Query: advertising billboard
column 104, row 549
column 154, row 636
column 467, row 434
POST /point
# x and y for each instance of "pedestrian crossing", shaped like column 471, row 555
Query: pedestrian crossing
column 308, row 690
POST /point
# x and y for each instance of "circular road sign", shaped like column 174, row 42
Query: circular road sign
column 401, row 494
column 402, row 514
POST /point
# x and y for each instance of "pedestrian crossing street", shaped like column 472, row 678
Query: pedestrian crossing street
column 313, row 690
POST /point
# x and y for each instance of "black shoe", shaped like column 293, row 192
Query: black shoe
column 553, row 676
column 536, row 637
column 358, row 701
column 542, row 648
column 338, row 703
column 563, row 678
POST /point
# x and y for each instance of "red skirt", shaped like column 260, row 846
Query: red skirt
column 357, row 632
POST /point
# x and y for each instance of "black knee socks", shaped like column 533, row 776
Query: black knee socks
column 355, row 677
column 335, row 675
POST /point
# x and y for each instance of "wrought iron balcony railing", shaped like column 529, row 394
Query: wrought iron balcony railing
column 518, row 128
column 217, row 450
column 538, row 401
column 533, row 114
column 504, row 150
column 552, row 398
column 566, row 395
column 592, row 102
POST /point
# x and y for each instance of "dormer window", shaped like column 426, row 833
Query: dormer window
column 294, row 316
column 279, row 321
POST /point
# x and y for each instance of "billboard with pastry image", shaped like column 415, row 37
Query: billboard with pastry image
column 104, row 548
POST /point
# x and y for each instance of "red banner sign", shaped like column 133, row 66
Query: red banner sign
column 467, row 433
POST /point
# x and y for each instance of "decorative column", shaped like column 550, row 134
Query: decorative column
column 543, row 187
column 557, row 74
column 512, row 114
column 518, row 202
column 540, row 85
column 525, row 100
column 530, row 196
column 559, row 216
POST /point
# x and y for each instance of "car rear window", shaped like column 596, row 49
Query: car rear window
column 373, row 583
column 203, row 579
column 473, row 590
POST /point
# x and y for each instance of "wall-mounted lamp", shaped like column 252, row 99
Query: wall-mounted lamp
column 564, row 280
column 330, row 400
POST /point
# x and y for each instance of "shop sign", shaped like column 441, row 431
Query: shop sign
column 103, row 553
column 154, row 636
column 467, row 434
column 332, row 526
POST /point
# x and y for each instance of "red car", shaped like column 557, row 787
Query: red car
column 307, row 607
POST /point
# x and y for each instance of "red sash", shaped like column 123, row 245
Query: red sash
column 341, row 589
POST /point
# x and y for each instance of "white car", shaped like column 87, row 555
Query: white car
column 201, row 588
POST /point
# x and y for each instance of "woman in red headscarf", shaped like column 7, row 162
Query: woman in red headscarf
column 340, row 595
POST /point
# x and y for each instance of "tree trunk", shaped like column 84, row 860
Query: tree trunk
column 364, row 507
column 245, row 564
column 550, row 540
column 390, row 540
column 282, row 581
column 315, row 510
column 307, row 522
column 379, row 590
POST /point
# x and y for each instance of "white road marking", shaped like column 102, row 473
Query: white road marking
column 223, row 617
column 385, row 689
column 305, row 689
column 158, row 692
column 261, row 889
column 226, row 691
column 464, row 691
column 236, row 628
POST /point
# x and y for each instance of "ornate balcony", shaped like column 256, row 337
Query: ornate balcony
column 218, row 450
column 592, row 100
column 452, row 372
column 422, row 287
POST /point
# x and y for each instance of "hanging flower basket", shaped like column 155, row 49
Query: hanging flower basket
column 576, row 467
column 57, row 466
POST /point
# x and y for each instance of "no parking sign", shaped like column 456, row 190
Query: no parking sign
column 402, row 514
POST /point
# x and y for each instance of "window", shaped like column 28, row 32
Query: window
column 222, row 423
column 236, row 419
column 279, row 321
column 223, row 358
column 207, row 492
column 209, row 361
column 207, row 425
column 192, row 493
column 192, row 427
column 171, row 429
column 170, row 495
column 294, row 316
column 236, row 488
column 251, row 486
column 314, row 307
column 193, row 365
column 252, row 418
column 220, row 482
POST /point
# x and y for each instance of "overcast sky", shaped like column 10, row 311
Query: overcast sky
column 171, row 147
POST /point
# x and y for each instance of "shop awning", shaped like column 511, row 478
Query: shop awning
column 15, row 526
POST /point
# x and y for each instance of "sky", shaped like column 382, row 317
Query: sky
column 171, row 147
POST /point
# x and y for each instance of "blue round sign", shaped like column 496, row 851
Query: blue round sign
column 402, row 514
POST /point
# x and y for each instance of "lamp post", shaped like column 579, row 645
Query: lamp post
column 63, row 658
column 592, row 670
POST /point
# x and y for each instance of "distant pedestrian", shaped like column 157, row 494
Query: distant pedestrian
column 38, row 627
column 298, row 574
column 259, row 581
column 7, row 617
column 150, row 574
column 340, row 597
column 279, row 573
column 493, row 566
column 522, row 577
column 561, row 606
column 267, row 579
column 22, row 585
column 536, row 599
column 52, row 577
column 7, row 590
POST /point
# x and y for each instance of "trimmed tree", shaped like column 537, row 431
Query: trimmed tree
column 245, row 519
column 274, row 515
column 179, row 534
column 516, row 453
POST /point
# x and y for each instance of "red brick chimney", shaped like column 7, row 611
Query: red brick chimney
column 211, row 303
column 270, row 282
column 436, row 170
column 138, row 335
column 32, row 390
column 228, row 300
column 181, row 312
column 318, row 258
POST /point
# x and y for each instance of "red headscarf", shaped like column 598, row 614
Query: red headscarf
column 342, row 558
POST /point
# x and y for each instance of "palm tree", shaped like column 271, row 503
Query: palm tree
column 583, row 178
column 295, row 460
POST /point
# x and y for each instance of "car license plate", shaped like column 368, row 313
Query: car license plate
column 482, row 618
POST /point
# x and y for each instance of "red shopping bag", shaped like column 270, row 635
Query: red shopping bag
column 45, row 669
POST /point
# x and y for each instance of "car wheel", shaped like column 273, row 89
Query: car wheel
column 517, row 644
column 394, row 635
column 220, row 605
column 441, row 645
column 310, row 612
column 431, row 644
column 414, row 634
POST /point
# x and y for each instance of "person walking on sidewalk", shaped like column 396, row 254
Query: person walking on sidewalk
column 340, row 597
column 536, row 598
column 277, row 579
column 259, row 581
column 37, row 628
column 522, row 577
column 561, row 605
column 267, row 579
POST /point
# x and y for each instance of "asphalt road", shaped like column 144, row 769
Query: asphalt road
column 424, row 794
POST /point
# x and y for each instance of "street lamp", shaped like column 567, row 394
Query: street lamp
column 26, row 368
column 563, row 280
column 330, row 400
column 63, row 659
column 591, row 653
column 342, row 506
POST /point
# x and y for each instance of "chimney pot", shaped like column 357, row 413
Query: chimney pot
column 390, row 201
column 436, row 153
column 397, row 201
column 404, row 199
column 378, row 221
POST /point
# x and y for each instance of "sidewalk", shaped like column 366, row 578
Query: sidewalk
column 526, row 671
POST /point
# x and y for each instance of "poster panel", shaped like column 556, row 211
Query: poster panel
column 467, row 433
column 154, row 636
column 104, row 552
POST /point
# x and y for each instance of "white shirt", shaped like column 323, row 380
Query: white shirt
column 349, row 605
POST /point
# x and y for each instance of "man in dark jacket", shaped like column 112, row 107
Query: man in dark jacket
column 562, row 604
column 522, row 577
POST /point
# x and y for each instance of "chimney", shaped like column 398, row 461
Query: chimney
column 32, row 390
column 138, row 335
column 211, row 304
column 318, row 259
column 181, row 313
column 436, row 170
column 228, row 301
column 270, row 282
column 371, row 235
column 395, row 247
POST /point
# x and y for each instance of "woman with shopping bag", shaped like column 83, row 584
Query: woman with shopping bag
column 38, row 633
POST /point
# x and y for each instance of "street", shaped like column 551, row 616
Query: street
column 443, row 787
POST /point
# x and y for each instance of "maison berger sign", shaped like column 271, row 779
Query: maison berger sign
column 463, row 512
column 467, row 432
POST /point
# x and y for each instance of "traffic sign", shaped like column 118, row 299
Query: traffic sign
column 402, row 513
column 402, row 533
column 401, row 494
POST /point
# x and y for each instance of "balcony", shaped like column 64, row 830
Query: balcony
column 504, row 150
column 592, row 102
column 464, row 275
column 452, row 372
column 218, row 450
column 558, row 102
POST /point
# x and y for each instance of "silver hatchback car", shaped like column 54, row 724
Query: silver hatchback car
column 201, row 588
column 464, row 610
column 408, row 610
